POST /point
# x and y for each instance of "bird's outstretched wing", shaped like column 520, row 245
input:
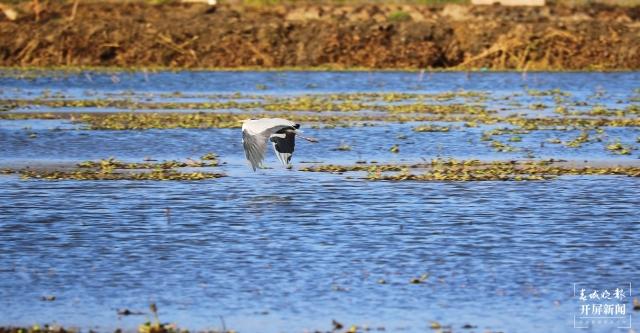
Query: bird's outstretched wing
column 255, row 145
column 283, row 145
column 256, row 132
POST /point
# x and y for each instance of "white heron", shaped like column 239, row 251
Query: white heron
column 282, row 134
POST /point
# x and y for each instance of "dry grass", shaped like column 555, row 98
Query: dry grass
column 624, row 3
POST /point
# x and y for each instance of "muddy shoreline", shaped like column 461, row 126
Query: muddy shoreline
column 173, row 35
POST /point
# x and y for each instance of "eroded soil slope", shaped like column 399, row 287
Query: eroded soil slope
column 371, row 36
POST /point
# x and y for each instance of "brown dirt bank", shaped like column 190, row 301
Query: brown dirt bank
column 370, row 36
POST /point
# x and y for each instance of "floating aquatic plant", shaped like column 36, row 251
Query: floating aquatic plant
column 112, row 163
column 618, row 148
column 422, row 278
column 474, row 170
column 577, row 142
column 147, row 120
column 46, row 328
column 503, row 147
column 332, row 168
column 158, row 327
column 550, row 92
column 113, row 169
column 431, row 128
column 111, row 175
column 343, row 147
column 209, row 157
column 537, row 106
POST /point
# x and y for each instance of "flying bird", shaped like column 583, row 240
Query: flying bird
column 282, row 134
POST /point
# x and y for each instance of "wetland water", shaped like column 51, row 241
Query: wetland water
column 287, row 251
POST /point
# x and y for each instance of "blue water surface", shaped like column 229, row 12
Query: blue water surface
column 288, row 251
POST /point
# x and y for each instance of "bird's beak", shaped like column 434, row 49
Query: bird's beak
column 297, row 132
